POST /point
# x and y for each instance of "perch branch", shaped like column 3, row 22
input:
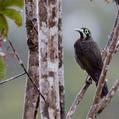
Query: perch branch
column 110, row 51
column 105, row 101
column 78, row 98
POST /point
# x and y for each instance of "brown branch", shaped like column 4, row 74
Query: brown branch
column 78, row 98
column 105, row 101
column 110, row 51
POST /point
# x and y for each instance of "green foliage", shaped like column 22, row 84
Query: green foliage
column 8, row 9
column 2, row 67
column 12, row 14
column 11, row 3
column 3, row 25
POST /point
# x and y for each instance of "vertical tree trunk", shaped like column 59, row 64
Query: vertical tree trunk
column 47, row 14
column 61, row 63
column 50, row 59
column 32, row 97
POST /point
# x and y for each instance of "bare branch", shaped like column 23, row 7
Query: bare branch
column 25, row 70
column 78, row 98
column 110, row 50
column 105, row 101
column 12, row 78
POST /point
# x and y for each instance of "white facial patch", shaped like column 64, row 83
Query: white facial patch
column 82, row 31
column 84, row 35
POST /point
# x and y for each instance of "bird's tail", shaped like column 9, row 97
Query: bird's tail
column 104, row 93
column 95, row 76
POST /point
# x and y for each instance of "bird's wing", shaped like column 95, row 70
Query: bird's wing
column 88, row 56
column 78, row 54
column 92, row 55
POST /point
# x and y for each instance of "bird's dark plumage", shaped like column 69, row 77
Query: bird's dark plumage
column 88, row 56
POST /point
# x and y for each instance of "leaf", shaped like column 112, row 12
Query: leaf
column 2, row 67
column 11, row 3
column 12, row 14
column 3, row 25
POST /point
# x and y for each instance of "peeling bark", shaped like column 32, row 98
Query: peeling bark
column 32, row 96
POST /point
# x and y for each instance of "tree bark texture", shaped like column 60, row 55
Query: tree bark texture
column 51, row 59
column 61, row 63
column 32, row 97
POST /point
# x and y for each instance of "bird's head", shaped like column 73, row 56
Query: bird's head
column 85, row 33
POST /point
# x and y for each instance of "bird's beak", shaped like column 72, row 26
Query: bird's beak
column 80, row 31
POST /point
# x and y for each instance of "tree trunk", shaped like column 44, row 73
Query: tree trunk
column 32, row 97
column 44, row 29
column 61, row 63
column 50, row 59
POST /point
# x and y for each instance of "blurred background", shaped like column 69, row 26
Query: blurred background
column 99, row 17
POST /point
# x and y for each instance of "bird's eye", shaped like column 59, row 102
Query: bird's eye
column 86, row 31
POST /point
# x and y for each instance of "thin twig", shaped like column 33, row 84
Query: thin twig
column 78, row 98
column 22, row 65
column 12, row 78
column 110, row 50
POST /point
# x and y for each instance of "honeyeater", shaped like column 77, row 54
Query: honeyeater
column 88, row 56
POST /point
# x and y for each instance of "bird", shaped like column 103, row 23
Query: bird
column 88, row 56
